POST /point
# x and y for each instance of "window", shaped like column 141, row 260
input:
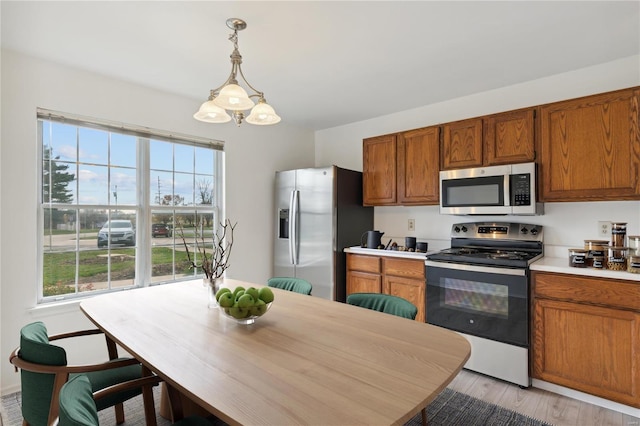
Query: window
column 120, row 204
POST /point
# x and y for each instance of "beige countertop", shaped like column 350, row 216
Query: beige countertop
column 561, row 265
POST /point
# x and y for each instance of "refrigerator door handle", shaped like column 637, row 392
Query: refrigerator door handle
column 293, row 227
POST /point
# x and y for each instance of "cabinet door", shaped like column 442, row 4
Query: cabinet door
column 590, row 148
column 588, row 348
column 409, row 289
column 419, row 166
column 379, row 170
column 363, row 282
column 508, row 138
column 462, row 144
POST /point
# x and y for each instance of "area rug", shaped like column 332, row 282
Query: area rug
column 450, row 408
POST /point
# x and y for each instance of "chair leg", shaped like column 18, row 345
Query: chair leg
column 424, row 416
column 147, row 398
column 119, row 413
column 24, row 423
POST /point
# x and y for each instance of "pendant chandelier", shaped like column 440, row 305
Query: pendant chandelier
column 231, row 98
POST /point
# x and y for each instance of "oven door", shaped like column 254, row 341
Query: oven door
column 482, row 301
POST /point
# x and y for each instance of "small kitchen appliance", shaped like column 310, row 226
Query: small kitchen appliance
column 480, row 288
column 373, row 238
column 495, row 190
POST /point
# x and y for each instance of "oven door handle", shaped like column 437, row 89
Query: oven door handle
column 476, row 268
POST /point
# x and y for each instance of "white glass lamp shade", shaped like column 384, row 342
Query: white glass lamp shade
column 209, row 112
column 233, row 97
column 263, row 114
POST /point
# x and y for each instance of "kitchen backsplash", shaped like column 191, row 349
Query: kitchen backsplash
column 565, row 224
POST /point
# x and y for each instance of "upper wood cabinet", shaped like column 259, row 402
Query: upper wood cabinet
column 590, row 148
column 462, row 144
column 503, row 138
column 418, row 166
column 402, row 168
column 379, row 170
column 509, row 138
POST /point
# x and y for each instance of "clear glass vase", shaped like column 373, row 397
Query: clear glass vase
column 212, row 285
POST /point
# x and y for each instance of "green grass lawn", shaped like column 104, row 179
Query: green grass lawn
column 59, row 275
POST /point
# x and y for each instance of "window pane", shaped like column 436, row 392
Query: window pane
column 161, row 155
column 58, row 180
column 184, row 190
column 94, row 146
column 184, row 158
column 123, row 186
column 204, row 161
column 93, row 185
column 204, row 190
column 123, row 150
column 162, row 188
column 62, row 140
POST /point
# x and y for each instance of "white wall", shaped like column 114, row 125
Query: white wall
column 566, row 224
column 253, row 154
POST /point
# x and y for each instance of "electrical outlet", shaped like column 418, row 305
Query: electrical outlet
column 412, row 225
column 604, row 229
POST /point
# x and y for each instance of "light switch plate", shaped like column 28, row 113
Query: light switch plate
column 411, row 225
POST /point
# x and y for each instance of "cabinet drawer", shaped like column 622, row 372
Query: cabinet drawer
column 358, row 262
column 408, row 268
column 597, row 291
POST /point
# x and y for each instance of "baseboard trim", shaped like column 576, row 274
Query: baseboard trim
column 585, row 397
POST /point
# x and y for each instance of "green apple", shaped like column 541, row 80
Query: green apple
column 226, row 300
column 253, row 292
column 222, row 291
column 259, row 308
column 238, row 312
column 266, row 295
column 239, row 294
column 237, row 289
column 245, row 301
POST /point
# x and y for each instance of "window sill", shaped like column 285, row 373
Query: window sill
column 55, row 308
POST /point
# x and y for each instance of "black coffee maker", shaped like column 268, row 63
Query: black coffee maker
column 373, row 239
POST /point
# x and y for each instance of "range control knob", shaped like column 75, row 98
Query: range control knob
column 524, row 230
column 464, row 229
column 534, row 231
column 456, row 229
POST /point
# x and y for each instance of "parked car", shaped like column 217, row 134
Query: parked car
column 119, row 231
column 160, row 230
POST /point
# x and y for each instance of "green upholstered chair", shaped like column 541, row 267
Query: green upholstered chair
column 384, row 303
column 297, row 285
column 44, row 370
column 388, row 304
column 78, row 401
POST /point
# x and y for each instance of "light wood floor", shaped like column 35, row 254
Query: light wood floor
column 543, row 405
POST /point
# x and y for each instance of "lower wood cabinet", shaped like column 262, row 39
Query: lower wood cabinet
column 586, row 335
column 389, row 275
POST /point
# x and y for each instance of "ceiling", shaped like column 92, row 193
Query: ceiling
column 325, row 64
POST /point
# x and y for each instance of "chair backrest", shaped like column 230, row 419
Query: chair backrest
column 297, row 285
column 384, row 303
column 77, row 407
column 37, row 388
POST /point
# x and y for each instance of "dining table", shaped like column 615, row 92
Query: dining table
column 306, row 361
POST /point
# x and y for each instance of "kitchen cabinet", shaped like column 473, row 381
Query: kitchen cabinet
column 402, row 168
column 379, row 170
column 503, row 138
column 586, row 334
column 590, row 148
column 462, row 144
column 509, row 137
column 389, row 275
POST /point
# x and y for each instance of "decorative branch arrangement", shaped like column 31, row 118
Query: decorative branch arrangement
column 214, row 262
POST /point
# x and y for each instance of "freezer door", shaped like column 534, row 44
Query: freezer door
column 315, row 230
column 284, row 188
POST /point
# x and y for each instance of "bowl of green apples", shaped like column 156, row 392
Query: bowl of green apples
column 244, row 305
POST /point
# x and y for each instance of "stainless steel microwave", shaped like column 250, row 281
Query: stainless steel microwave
column 496, row 190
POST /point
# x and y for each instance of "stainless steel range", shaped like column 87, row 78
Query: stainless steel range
column 480, row 288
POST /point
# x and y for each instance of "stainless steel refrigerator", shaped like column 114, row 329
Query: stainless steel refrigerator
column 319, row 213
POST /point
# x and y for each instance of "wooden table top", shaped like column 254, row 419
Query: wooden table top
column 306, row 361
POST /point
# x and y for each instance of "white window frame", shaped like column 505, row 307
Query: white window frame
column 143, row 207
